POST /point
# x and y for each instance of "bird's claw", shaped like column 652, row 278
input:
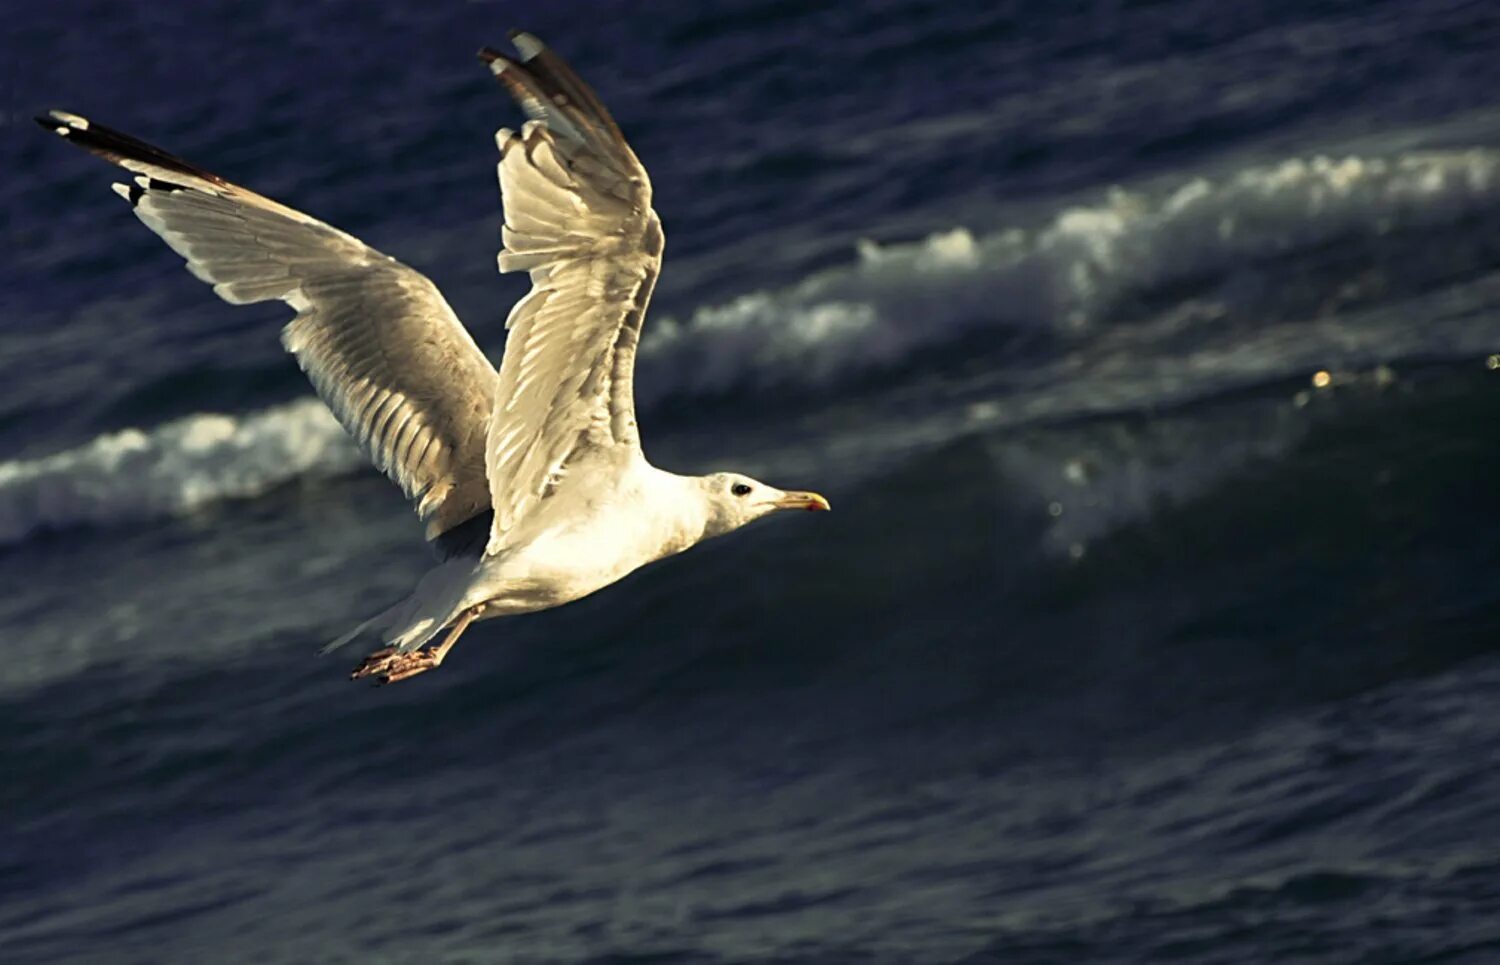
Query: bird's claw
column 390, row 665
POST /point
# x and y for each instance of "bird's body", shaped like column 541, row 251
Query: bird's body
column 530, row 477
column 554, row 557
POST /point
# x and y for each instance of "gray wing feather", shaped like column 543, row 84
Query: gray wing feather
column 375, row 337
column 578, row 218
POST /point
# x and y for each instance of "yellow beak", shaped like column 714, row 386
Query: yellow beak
column 808, row 501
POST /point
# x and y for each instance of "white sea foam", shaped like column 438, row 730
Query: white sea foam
column 172, row 468
column 839, row 322
column 1067, row 273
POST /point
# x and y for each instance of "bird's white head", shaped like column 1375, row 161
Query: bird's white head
column 734, row 500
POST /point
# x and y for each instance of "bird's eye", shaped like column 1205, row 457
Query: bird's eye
column 740, row 489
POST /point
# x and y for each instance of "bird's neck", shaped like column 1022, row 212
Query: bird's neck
column 682, row 511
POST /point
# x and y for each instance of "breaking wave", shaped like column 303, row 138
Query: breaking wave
column 173, row 468
column 1066, row 275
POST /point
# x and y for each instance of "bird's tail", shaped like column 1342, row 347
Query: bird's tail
column 377, row 622
column 437, row 600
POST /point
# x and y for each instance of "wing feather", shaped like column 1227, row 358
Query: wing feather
column 375, row 337
column 578, row 217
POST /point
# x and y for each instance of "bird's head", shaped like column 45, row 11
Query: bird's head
column 735, row 500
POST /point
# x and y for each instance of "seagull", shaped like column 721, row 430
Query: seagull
column 530, row 479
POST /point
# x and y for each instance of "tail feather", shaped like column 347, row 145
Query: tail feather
column 438, row 599
column 379, row 618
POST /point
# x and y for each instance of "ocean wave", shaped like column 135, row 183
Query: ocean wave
column 1066, row 275
column 172, row 468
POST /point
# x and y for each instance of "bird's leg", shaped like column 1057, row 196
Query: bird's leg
column 390, row 665
column 459, row 626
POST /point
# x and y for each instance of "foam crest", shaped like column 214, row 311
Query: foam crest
column 1066, row 275
column 173, row 468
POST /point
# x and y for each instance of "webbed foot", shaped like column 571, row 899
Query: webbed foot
column 390, row 665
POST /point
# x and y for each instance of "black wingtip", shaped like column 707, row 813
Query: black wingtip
column 523, row 39
column 122, row 149
column 528, row 45
column 58, row 122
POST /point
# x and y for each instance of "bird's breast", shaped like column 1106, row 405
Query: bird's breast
column 588, row 552
column 607, row 522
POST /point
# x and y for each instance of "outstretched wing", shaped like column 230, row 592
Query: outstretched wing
column 577, row 217
column 380, row 345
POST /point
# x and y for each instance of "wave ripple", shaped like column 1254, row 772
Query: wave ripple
column 173, row 468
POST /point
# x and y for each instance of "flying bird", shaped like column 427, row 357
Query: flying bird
column 530, row 478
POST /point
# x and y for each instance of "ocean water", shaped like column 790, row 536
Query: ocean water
column 1132, row 637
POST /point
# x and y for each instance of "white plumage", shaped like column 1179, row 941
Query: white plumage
column 531, row 479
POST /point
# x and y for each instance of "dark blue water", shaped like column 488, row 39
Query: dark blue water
column 1132, row 637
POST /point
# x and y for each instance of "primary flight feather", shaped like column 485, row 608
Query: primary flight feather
column 530, row 479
